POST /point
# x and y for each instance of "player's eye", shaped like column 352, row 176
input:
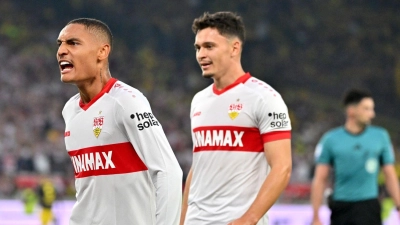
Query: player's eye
column 72, row 43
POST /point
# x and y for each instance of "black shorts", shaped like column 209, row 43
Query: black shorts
column 366, row 212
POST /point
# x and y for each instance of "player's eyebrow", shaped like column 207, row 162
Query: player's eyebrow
column 204, row 43
column 68, row 40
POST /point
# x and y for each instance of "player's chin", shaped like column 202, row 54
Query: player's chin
column 207, row 75
column 367, row 122
column 66, row 79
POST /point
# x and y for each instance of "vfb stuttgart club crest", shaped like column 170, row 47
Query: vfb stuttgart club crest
column 234, row 110
column 98, row 125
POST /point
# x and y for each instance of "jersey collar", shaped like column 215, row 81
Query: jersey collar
column 105, row 89
column 355, row 134
column 240, row 80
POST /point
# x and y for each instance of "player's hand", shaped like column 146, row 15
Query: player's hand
column 242, row 221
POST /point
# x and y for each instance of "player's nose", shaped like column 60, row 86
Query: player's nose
column 62, row 50
column 200, row 54
column 372, row 114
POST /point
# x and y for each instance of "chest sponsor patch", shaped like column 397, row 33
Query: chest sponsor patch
column 227, row 138
column 106, row 160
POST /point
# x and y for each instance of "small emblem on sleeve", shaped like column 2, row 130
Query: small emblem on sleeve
column 234, row 110
column 197, row 113
column 145, row 120
column 97, row 125
column 279, row 120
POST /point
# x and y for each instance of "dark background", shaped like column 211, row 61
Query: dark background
column 309, row 51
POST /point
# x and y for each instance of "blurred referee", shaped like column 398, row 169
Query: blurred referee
column 356, row 152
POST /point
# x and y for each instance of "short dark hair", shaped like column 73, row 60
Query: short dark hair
column 227, row 23
column 354, row 96
column 95, row 26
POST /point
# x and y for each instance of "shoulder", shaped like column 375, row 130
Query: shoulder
column 70, row 104
column 262, row 90
column 72, row 100
column 377, row 130
column 201, row 95
column 373, row 128
column 333, row 133
column 126, row 95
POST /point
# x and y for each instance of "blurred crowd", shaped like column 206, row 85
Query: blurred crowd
column 309, row 51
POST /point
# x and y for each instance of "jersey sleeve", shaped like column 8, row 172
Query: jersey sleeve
column 273, row 118
column 387, row 155
column 323, row 154
column 148, row 138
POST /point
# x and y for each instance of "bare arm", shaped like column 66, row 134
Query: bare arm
column 185, row 197
column 392, row 183
column 317, row 191
column 278, row 154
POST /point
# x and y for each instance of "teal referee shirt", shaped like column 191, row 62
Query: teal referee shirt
column 356, row 160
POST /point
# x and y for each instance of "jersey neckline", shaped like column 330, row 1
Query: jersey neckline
column 241, row 79
column 105, row 89
column 355, row 134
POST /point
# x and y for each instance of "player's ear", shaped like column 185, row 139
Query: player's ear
column 236, row 47
column 104, row 51
column 350, row 110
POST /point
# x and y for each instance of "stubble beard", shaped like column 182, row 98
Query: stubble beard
column 208, row 75
column 365, row 123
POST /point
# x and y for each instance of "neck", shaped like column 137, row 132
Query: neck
column 228, row 77
column 90, row 88
column 354, row 127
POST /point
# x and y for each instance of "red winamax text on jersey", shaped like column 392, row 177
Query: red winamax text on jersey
column 227, row 138
column 105, row 160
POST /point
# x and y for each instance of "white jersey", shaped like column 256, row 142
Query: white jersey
column 229, row 129
column 125, row 170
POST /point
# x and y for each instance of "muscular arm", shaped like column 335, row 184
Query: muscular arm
column 185, row 197
column 278, row 154
column 392, row 183
column 318, row 187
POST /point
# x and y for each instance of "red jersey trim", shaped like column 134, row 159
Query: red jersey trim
column 106, row 89
column 106, row 160
column 277, row 135
column 227, row 138
column 241, row 79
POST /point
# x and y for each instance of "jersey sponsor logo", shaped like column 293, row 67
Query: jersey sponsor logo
column 146, row 120
column 106, row 160
column 97, row 125
column 227, row 138
column 234, row 110
column 279, row 120
column 197, row 113
column 93, row 161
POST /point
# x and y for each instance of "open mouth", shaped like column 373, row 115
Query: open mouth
column 66, row 66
